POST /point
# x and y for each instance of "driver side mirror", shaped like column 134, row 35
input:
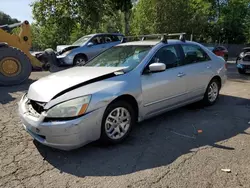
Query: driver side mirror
column 90, row 44
column 157, row 67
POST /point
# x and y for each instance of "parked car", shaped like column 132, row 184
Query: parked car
column 86, row 48
column 243, row 61
column 220, row 51
column 127, row 83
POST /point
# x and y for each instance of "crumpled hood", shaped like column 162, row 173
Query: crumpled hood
column 65, row 47
column 48, row 87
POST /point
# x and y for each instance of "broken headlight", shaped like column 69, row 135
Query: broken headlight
column 72, row 108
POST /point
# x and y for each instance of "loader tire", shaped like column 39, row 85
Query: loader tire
column 15, row 66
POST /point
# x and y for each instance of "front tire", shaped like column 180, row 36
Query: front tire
column 117, row 122
column 80, row 60
column 241, row 71
column 212, row 92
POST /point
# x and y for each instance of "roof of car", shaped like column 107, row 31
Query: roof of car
column 151, row 42
column 95, row 34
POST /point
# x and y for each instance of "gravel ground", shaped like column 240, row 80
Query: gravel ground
column 187, row 147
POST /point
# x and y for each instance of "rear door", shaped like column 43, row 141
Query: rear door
column 198, row 70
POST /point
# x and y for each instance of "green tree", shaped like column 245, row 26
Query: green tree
column 234, row 20
column 6, row 19
column 64, row 21
column 160, row 16
column 124, row 6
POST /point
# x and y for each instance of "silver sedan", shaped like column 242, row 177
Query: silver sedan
column 124, row 85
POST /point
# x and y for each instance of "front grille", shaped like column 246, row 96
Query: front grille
column 37, row 106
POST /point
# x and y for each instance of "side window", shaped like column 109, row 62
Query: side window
column 193, row 54
column 108, row 39
column 97, row 40
column 167, row 55
column 111, row 38
column 120, row 37
column 115, row 38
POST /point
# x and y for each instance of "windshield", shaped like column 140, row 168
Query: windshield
column 80, row 41
column 120, row 56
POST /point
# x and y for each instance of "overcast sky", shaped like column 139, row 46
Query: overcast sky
column 19, row 9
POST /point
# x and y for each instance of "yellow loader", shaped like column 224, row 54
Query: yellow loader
column 16, row 62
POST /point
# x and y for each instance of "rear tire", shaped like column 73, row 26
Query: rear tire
column 241, row 71
column 123, row 123
column 212, row 92
column 22, row 61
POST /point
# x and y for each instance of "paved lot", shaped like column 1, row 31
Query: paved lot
column 187, row 147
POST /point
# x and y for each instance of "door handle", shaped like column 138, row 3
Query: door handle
column 208, row 66
column 181, row 74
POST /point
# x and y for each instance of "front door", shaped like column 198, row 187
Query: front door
column 98, row 46
column 162, row 90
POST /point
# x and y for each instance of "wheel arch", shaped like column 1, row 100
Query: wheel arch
column 130, row 99
column 81, row 54
column 218, row 78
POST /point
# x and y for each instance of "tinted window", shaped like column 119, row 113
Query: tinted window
column 108, row 38
column 115, row 38
column 193, row 54
column 111, row 38
column 97, row 40
column 168, row 56
column 220, row 48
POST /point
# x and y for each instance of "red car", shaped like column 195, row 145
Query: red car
column 220, row 51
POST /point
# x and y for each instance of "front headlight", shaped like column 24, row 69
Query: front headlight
column 64, row 54
column 71, row 108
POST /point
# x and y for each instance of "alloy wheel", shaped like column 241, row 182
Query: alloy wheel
column 213, row 92
column 117, row 123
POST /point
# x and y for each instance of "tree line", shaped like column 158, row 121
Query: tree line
column 211, row 21
column 5, row 19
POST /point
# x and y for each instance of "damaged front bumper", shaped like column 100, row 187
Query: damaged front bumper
column 65, row 60
column 63, row 135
